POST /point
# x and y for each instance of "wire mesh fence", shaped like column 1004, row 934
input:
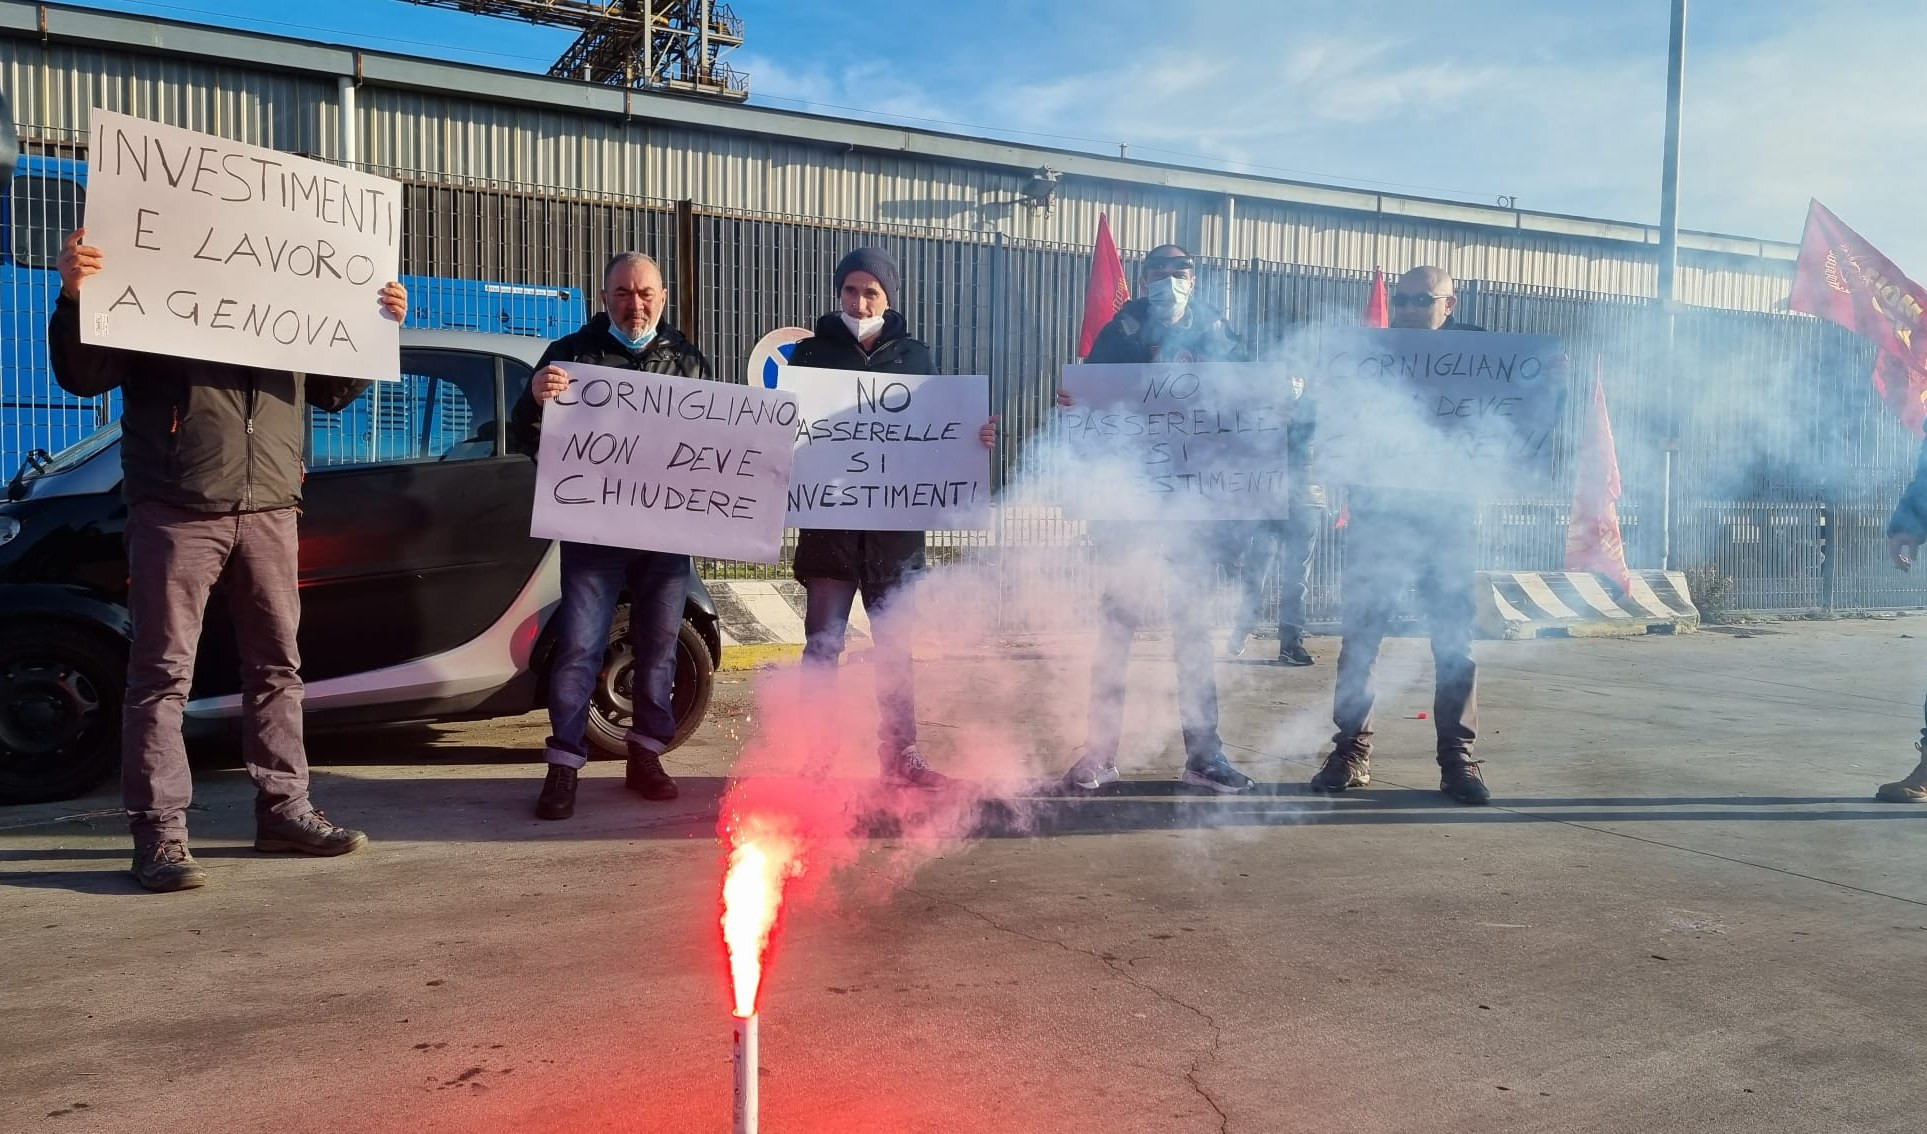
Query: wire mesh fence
column 1785, row 468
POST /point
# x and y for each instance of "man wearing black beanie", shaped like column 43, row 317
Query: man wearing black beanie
column 867, row 333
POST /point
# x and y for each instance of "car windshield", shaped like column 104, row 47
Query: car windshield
column 74, row 455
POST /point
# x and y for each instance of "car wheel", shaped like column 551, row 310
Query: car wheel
column 612, row 706
column 61, row 687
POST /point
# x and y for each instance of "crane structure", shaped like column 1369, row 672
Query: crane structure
column 655, row 45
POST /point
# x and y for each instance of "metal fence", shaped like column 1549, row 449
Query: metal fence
column 1786, row 467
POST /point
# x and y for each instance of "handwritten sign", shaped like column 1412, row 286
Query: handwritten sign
column 1192, row 441
column 889, row 452
column 1472, row 411
column 234, row 253
column 659, row 462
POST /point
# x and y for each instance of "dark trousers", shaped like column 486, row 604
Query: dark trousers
column 593, row 580
column 1286, row 545
column 174, row 558
column 1135, row 562
column 890, row 605
column 1386, row 552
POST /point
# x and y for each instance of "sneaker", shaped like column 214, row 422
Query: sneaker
column 557, row 800
column 1912, row 789
column 1217, row 774
column 907, row 769
column 1345, row 768
column 1291, row 651
column 1091, row 772
column 166, row 866
column 1461, row 780
column 646, row 778
column 312, row 833
column 1234, row 646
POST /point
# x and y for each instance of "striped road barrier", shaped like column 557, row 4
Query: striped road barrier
column 1579, row 604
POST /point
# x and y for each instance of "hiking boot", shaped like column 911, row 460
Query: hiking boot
column 557, row 800
column 907, row 770
column 1345, row 768
column 1913, row 789
column 646, row 778
column 166, row 866
column 312, row 833
column 1234, row 646
column 1091, row 772
column 1291, row 651
column 1215, row 772
column 1461, row 780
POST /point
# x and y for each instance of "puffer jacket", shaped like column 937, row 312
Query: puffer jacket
column 204, row 436
column 668, row 353
column 1132, row 336
column 879, row 559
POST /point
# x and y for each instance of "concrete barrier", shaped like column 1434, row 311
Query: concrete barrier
column 769, row 612
column 1578, row 604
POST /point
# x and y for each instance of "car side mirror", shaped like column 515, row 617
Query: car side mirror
column 9, row 141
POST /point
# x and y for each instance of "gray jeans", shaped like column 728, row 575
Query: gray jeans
column 174, row 558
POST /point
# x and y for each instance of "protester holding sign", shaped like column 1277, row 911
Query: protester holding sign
column 1165, row 324
column 211, row 466
column 867, row 333
column 1399, row 538
column 628, row 335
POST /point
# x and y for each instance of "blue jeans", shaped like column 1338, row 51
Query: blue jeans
column 1288, row 545
column 1183, row 555
column 593, row 580
column 826, row 622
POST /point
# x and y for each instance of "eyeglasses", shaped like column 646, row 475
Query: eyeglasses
column 1401, row 299
column 1172, row 264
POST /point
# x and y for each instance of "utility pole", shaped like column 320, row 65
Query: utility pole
column 1669, row 280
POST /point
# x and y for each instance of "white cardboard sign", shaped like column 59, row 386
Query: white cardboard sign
column 1470, row 411
column 1178, row 441
column 660, row 462
column 888, row 452
column 235, row 253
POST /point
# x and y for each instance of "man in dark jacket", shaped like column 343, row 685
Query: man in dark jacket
column 867, row 333
column 1165, row 324
column 211, row 467
column 628, row 335
column 1287, row 542
column 1398, row 538
column 1905, row 532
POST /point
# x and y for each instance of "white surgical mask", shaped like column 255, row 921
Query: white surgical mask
column 1169, row 296
column 863, row 329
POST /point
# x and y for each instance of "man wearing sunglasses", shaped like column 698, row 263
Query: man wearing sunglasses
column 1164, row 324
column 1398, row 538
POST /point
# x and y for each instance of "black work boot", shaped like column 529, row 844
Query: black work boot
column 166, row 866
column 646, row 778
column 1291, row 650
column 1460, row 779
column 1346, row 767
column 557, row 800
column 313, row 833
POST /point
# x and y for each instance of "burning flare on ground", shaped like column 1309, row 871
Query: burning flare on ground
column 761, row 860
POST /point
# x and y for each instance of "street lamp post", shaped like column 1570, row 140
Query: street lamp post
column 1668, row 291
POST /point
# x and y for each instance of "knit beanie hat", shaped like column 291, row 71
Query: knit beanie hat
column 878, row 263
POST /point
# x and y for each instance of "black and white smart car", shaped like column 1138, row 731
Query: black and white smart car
column 423, row 595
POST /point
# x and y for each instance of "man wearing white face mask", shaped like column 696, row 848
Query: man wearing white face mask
column 1165, row 324
column 866, row 333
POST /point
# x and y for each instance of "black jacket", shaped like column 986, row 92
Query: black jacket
column 1133, row 337
column 667, row 353
column 1910, row 514
column 205, row 436
column 872, row 558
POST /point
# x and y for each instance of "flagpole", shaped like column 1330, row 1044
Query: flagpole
column 1669, row 274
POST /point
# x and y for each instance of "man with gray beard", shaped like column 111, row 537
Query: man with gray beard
column 1400, row 538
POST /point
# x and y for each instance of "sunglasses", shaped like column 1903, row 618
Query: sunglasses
column 1401, row 299
column 1171, row 264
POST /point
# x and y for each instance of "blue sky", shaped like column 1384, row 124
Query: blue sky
column 1557, row 103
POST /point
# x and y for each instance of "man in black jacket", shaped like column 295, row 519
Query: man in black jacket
column 1398, row 538
column 628, row 335
column 1905, row 532
column 1165, row 324
column 867, row 333
column 1287, row 542
column 211, row 467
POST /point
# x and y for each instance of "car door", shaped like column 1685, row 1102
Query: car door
column 415, row 520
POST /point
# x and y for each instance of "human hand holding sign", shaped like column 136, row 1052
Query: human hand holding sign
column 1064, row 398
column 394, row 301
column 1902, row 546
column 548, row 383
column 988, row 434
column 77, row 261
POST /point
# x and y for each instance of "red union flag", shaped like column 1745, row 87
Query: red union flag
column 1106, row 292
column 1845, row 280
column 1377, row 312
column 1593, row 540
